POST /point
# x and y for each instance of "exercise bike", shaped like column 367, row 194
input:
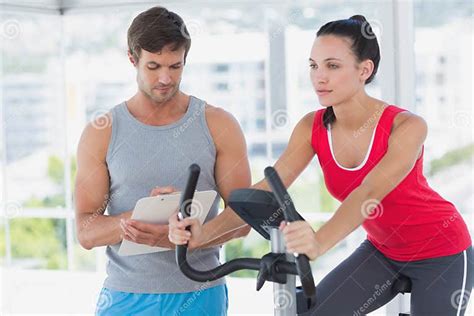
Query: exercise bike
column 264, row 211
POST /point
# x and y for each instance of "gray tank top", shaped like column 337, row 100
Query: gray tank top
column 139, row 158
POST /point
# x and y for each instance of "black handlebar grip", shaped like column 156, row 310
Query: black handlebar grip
column 188, row 194
column 181, row 250
column 185, row 208
column 281, row 195
column 290, row 214
column 306, row 276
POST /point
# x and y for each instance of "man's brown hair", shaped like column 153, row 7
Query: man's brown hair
column 156, row 28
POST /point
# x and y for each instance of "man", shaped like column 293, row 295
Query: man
column 146, row 149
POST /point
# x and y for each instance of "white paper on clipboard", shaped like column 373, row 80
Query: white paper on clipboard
column 158, row 209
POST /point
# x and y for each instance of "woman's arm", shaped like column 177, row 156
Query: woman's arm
column 404, row 147
column 289, row 166
column 297, row 155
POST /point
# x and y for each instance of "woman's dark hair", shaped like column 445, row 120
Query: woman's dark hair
column 156, row 28
column 364, row 46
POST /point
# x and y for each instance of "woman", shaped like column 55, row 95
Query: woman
column 371, row 155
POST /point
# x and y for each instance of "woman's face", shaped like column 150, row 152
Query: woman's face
column 334, row 70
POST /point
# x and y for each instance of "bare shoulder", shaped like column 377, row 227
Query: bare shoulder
column 410, row 122
column 304, row 127
column 412, row 125
column 95, row 137
column 220, row 121
column 225, row 130
column 217, row 115
column 308, row 120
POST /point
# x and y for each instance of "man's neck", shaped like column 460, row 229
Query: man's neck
column 153, row 113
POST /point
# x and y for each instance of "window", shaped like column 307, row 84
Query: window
column 38, row 243
column 34, row 150
column 446, row 102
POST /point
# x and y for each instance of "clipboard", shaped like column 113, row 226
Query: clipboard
column 158, row 209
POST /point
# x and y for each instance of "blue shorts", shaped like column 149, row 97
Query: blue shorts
column 212, row 301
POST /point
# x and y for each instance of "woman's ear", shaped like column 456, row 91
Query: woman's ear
column 366, row 69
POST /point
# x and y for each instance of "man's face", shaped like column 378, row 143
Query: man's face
column 159, row 74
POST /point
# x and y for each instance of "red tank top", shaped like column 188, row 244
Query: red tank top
column 412, row 222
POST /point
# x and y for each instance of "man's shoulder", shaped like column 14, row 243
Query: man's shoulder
column 222, row 125
column 219, row 118
column 96, row 136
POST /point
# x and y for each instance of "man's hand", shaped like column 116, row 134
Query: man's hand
column 162, row 190
column 125, row 215
column 155, row 235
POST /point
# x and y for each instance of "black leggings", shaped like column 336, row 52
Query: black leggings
column 363, row 282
